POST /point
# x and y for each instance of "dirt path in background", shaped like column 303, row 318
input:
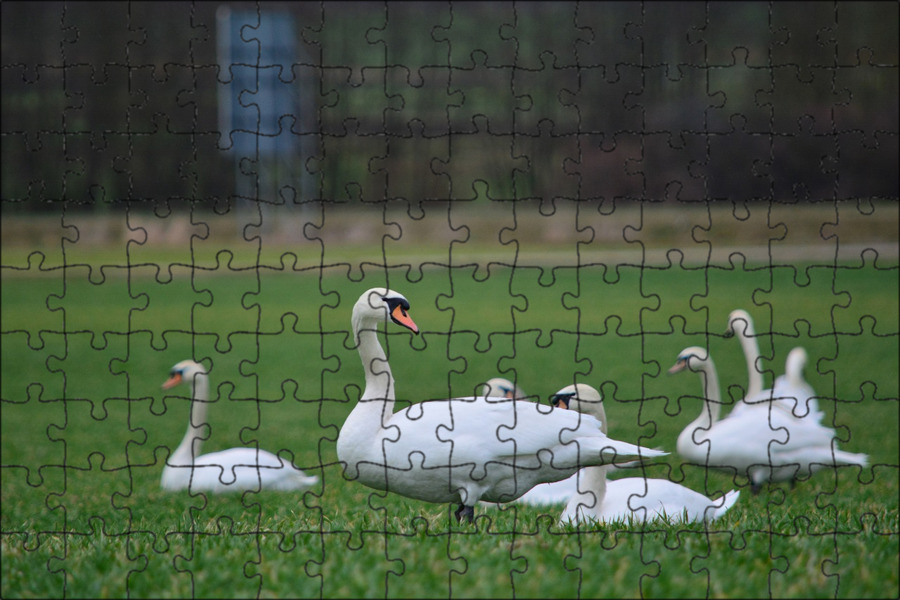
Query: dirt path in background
column 527, row 233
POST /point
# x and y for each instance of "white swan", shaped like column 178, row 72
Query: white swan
column 747, row 336
column 789, row 391
column 498, row 387
column 543, row 494
column 552, row 492
column 792, row 389
column 630, row 498
column 233, row 470
column 763, row 444
column 459, row 450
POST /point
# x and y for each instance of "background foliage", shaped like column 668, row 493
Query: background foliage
column 418, row 101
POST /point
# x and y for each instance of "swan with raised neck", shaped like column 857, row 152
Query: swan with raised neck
column 762, row 441
column 232, row 470
column 459, row 450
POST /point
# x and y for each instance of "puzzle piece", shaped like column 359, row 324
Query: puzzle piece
column 565, row 193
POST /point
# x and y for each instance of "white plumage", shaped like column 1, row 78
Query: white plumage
column 746, row 334
column 232, row 470
column 790, row 391
column 458, row 450
column 498, row 387
column 543, row 494
column 631, row 498
column 765, row 442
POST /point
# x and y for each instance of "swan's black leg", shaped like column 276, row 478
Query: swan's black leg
column 755, row 488
column 465, row 511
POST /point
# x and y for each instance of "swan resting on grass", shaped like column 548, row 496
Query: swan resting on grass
column 552, row 492
column 232, row 470
column 543, row 494
column 763, row 443
column 460, row 450
column 631, row 498
column 498, row 387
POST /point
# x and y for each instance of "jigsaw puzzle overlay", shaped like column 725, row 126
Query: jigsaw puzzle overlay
column 251, row 250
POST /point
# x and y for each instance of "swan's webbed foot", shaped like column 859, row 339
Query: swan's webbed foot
column 465, row 511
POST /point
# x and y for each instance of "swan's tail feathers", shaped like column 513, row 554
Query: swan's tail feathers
column 849, row 458
column 635, row 463
column 299, row 480
column 728, row 501
column 310, row 480
column 620, row 453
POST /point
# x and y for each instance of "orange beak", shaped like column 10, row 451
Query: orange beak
column 172, row 381
column 678, row 366
column 402, row 317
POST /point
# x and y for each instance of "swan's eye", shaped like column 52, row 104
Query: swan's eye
column 394, row 302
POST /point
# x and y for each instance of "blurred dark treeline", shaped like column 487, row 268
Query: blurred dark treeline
column 109, row 104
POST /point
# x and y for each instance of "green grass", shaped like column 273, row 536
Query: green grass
column 86, row 428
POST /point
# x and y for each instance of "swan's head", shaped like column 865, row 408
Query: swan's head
column 499, row 387
column 795, row 363
column 186, row 370
column 582, row 398
column 382, row 305
column 693, row 358
column 734, row 320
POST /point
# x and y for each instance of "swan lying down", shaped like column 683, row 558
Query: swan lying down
column 552, row 492
column 498, row 387
column 630, row 498
column 232, row 470
column 543, row 494
column 460, row 450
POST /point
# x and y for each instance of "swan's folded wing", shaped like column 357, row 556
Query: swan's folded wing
column 568, row 438
column 478, row 430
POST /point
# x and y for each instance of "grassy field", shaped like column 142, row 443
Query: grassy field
column 86, row 429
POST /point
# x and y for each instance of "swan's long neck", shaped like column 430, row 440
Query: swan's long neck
column 378, row 396
column 793, row 368
column 751, row 354
column 709, row 414
column 362, row 431
column 592, row 480
column 189, row 448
